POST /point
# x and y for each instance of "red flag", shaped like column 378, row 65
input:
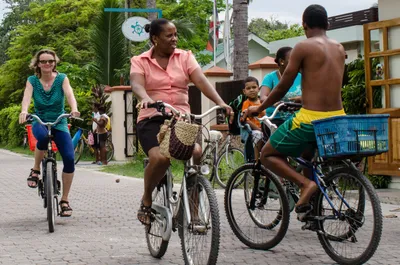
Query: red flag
column 210, row 43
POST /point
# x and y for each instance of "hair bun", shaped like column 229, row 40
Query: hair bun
column 147, row 28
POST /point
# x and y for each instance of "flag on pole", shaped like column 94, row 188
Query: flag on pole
column 213, row 33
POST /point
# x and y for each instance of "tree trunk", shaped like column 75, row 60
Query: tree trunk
column 151, row 4
column 240, row 33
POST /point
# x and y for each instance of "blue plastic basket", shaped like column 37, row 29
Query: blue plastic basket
column 352, row 135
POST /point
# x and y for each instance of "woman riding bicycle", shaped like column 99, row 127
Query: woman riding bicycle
column 272, row 79
column 49, row 89
column 163, row 73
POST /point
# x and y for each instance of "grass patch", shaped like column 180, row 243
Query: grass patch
column 135, row 169
column 17, row 149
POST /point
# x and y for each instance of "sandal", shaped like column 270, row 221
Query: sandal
column 304, row 212
column 145, row 214
column 65, row 209
column 33, row 178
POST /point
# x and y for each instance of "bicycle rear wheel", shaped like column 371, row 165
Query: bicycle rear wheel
column 50, row 199
column 200, row 236
column 227, row 163
column 156, row 245
column 354, row 236
column 78, row 151
column 256, row 207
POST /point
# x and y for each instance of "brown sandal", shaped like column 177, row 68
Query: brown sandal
column 145, row 214
column 33, row 178
column 65, row 209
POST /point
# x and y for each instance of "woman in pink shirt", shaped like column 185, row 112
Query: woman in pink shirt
column 163, row 73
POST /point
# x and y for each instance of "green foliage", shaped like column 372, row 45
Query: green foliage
column 109, row 44
column 379, row 181
column 101, row 99
column 85, row 108
column 62, row 25
column 272, row 29
column 193, row 13
column 11, row 132
column 354, row 92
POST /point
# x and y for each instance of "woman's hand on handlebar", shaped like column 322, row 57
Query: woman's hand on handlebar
column 22, row 117
column 228, row 111
column 75, row 114
column 144, row 103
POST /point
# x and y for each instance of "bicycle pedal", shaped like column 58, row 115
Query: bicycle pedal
column 310, row 225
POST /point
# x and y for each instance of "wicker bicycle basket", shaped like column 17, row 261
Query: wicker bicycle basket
column 177, row 139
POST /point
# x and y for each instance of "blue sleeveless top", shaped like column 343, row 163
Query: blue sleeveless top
column 49, row 104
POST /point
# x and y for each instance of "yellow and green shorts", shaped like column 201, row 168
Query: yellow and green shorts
column 296, row 135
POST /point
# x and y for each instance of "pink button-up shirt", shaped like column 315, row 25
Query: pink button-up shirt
column 170, row 85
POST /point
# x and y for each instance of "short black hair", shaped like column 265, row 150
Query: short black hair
column 250, row 79
column 315, row 16
column 281, row 54
column 155, row 27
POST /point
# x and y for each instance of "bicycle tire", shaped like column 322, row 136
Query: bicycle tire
column 156, row 245
column 186, row 231
column 261, row 229
column 78, row 151
column 223, row 177
column 355, row 222
column 110, row 149
column 49, row 191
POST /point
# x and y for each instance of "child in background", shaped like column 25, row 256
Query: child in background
column 101, row 135
column 251, row 91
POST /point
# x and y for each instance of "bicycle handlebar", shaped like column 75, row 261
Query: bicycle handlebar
column 160, row 106
column 287, row 105
column 33, row 116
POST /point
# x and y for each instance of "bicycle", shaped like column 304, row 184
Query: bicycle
column 193, row 211
column 49, row 186
column 338, row 222
column 222, row 160
column 80, row 141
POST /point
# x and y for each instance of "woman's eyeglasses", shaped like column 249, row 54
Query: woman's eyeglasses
column 47, row 61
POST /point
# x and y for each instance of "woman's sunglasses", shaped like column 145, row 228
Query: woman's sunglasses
column 47, row 61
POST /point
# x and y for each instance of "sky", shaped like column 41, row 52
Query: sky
column 288, row 10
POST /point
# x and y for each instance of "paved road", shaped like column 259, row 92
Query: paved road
column 104, row 229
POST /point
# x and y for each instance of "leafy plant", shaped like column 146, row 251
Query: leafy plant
column 380, row 181
column 11, row 132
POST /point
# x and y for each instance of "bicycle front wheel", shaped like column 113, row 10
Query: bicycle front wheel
column 227, row 163
column 200, row 235
column 256, row 207
column 352, row 236
column 156, row 245
column 50, row 199
column 78, row 151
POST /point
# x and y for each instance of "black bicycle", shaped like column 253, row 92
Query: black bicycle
column 49, row 186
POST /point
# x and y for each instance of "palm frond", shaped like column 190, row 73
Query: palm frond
column 109, row 44
column 184, row 28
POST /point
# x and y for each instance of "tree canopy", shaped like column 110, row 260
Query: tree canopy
column 272, row 29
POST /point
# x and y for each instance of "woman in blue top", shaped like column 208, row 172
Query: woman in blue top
column 49, row 89
column 271, row 80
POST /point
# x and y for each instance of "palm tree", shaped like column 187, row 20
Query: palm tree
column 109, row 44
column 240, row 33
column 151, row 4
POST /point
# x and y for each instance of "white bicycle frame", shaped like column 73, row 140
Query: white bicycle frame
column 173, row 204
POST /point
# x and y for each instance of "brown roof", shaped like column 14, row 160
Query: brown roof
column 217, row 71
column 266, row 62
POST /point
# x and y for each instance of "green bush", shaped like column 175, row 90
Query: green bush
column 11, row 132
column 380, row 182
